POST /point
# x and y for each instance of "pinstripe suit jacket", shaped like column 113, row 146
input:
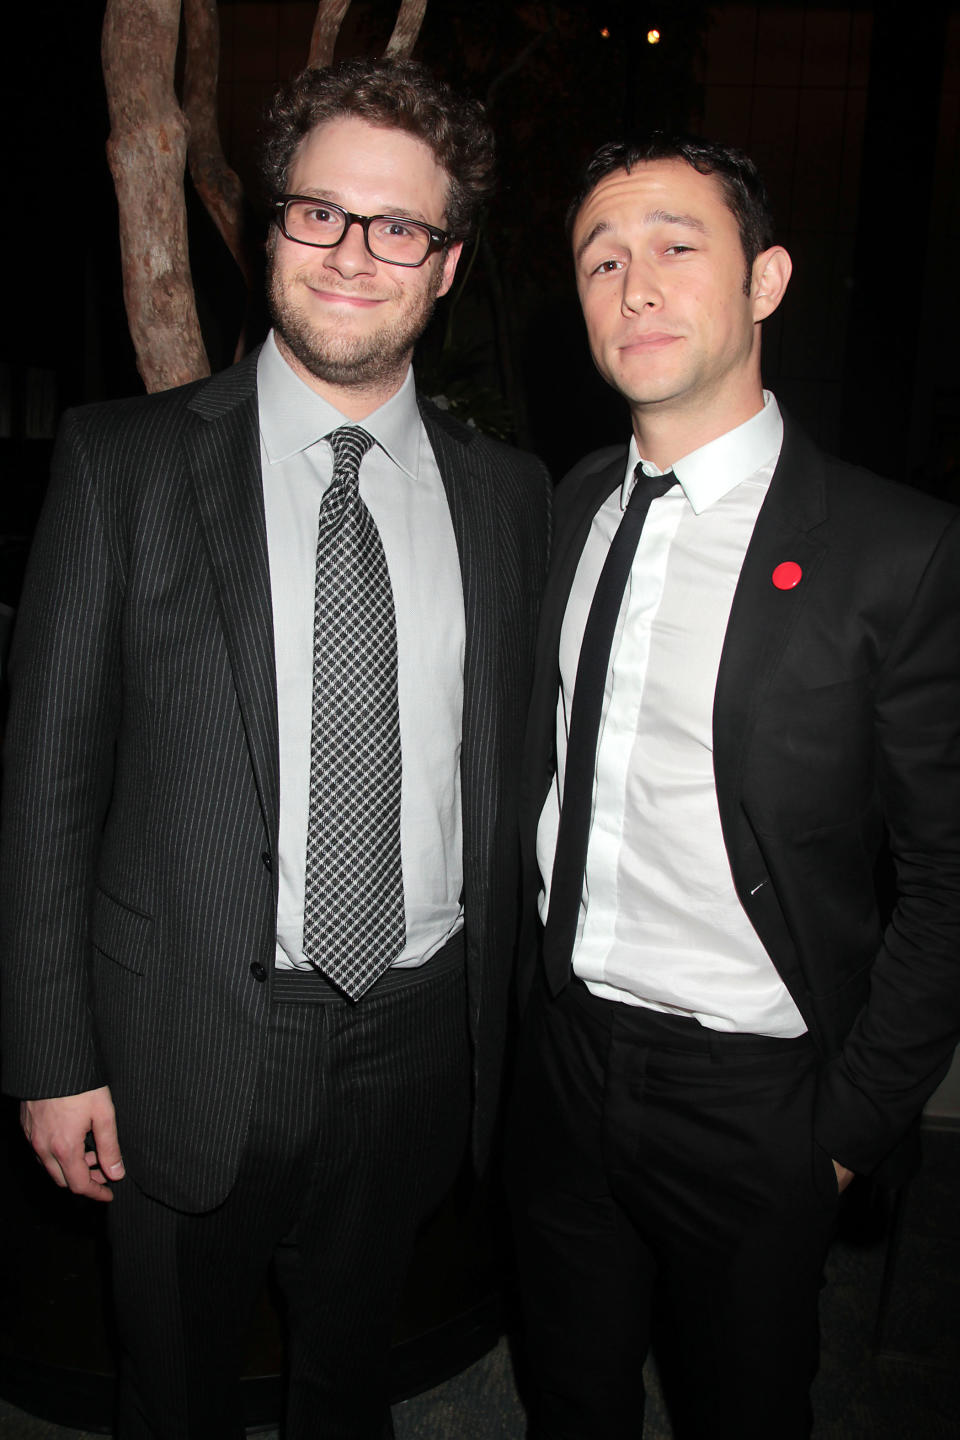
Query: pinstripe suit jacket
column 141, row 798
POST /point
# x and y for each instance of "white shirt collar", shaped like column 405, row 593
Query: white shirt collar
column 705, row 475
column 293, row 417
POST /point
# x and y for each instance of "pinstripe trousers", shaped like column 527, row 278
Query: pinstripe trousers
column 359, row 1126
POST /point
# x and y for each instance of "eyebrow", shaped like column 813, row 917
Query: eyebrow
column 652, row 217
column 334, row 197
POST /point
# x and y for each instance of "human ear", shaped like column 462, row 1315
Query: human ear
column 450, row 258
column 770, row 276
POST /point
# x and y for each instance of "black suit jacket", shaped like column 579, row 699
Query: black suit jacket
column 836, row 726
column 141, row 805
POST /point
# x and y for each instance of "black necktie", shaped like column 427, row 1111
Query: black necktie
column 353, row 922
column 570, row 858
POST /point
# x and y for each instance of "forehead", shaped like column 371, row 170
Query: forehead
column 349, row 159
column 650, row 193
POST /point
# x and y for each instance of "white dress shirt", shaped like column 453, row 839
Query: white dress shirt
column 660, row 922
column 401, row 486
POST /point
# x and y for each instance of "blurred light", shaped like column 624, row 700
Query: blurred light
column 605, row 33
column 653, row 37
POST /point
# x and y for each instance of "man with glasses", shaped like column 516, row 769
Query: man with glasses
column 268, row 692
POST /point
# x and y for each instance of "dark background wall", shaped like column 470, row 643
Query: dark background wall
column 852, row 111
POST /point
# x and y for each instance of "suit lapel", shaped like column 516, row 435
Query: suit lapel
column 587, row 493
column 471, row 496
column 224, row 456
column 762, row 617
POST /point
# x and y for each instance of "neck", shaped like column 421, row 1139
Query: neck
column 666, row 431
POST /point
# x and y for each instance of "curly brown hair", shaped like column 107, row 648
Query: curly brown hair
column 400, row 94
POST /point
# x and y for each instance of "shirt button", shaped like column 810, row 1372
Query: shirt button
column 257, row 971
column 266, row 858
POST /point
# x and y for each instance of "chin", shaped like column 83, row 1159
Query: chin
column 647, row 395
column 347, row 365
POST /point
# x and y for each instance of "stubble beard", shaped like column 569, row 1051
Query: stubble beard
column 374, row 361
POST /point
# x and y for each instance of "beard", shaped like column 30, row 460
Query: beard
column 361, row 361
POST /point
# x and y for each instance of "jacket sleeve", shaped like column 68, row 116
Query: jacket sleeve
column 902, row 1041
column 65, row 695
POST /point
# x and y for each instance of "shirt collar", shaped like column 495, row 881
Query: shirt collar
column 294, row 417
column 707, row 474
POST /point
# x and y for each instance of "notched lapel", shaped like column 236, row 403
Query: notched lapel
column 471, row 495
column 573, row 527
column 224, row 459
column 763, row 617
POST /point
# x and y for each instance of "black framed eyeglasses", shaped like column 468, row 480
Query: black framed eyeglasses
column 391, row 238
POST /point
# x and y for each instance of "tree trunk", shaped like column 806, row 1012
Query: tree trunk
column 405, row 31
column 146, row 152
column 217, row 185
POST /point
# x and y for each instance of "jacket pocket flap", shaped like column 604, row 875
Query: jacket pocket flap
column 122, row 934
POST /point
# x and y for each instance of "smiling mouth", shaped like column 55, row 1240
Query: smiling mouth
column 344, row 297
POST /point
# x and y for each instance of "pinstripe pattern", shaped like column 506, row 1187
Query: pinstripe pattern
column 141, row 792
column 337, row 1191
column 499, row 510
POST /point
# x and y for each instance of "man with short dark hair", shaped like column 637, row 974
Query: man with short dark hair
column 258, row 880
column 746, row 679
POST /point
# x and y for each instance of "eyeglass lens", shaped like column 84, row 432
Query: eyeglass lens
column 389, row 238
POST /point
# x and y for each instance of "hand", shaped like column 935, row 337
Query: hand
column 57, row 1129
column 844, row 1176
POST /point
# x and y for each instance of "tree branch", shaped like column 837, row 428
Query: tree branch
column 405, row 31
column 326, row 28
column 217, row 185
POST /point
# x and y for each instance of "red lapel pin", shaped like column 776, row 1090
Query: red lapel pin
column 787, row 574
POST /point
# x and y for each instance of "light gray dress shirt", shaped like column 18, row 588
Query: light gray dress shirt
column 660, row 921
column 401, row 486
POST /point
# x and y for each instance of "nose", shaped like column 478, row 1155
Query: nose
column 641, row 288
column 350, row 256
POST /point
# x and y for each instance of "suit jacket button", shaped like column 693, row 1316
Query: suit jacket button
column 265, row 857
column 257, row 971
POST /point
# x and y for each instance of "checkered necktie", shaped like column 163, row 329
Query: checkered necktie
column 353, row 923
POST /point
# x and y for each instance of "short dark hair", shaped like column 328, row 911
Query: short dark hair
column 398, row 94
column 738, row 178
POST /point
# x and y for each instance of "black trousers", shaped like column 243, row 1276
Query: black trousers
column 358, row 1129
column 665, row 1184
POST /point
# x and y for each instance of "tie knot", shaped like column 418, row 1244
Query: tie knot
column 647, row 488
column 349, row 445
